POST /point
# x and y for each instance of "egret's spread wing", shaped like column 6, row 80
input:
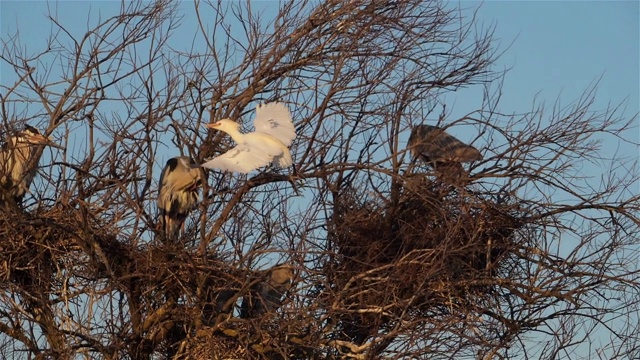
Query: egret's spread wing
column 242, row 158
column 275, row 119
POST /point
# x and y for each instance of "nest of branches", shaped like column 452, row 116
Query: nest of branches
column 208, row 344
column 247, row 340
column 430, row 249
column 180, row 302
column 36, row 244
column 187, row 306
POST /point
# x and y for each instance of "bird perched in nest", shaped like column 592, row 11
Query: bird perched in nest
column 178, row 193
column 269, row 143
column 441, row 150
column 19, row 159
column 266, row 294
column 433, row 144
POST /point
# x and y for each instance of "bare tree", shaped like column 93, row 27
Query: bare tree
column 358, row 254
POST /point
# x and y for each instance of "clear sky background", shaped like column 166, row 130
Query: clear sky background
column 552, row 48
column 558, row 48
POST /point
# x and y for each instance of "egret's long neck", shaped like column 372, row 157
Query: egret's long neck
column 235, row 134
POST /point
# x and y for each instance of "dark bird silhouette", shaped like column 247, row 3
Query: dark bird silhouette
column 178, row 193
column 19, row 159
column 267, row 292
column 442, row 151
column 433, row 144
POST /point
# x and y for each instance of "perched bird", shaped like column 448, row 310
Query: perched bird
column 268, row 144
column 266, row 294
column 441, row 150
column 19, row 159
column 433, row 144
column 178, row 193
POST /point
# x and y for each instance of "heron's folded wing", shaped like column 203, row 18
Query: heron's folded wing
column 176, row 176
column 165, row 187
column 275, row 119
column 437, row 145
column 451, row 149
column 242, row 159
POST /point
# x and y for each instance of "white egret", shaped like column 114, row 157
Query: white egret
column 178, row 193
column 19, row 159
column 269, row 143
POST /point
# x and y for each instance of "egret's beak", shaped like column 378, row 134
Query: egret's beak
column 213, row 125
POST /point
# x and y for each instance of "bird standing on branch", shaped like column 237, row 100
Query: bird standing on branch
column 266, row 294
column 441, row 150
column 433, row 144
column 178, row 193
column 19, row 159
column 269, row 143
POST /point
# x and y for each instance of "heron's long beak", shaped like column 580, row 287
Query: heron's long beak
column 213, row 125
column 53, row 144
column 41, row 139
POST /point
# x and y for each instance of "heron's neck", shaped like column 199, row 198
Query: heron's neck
column 24, row 151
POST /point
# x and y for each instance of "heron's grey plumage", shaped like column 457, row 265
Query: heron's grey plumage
column 432, row 144
column 178, row 193
column 19, row 159
column 266, row 295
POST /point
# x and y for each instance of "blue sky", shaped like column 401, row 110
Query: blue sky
column 552, row 48
column 560, row 47
column 557, row 49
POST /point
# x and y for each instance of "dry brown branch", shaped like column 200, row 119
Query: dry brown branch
column 383, row 258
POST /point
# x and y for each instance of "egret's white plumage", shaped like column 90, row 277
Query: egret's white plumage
column 269, row 143
column 19, row 162
column 178, row 193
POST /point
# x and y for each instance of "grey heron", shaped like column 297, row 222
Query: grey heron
column 19, row 159
column 432, row 144
column 269, row 143
column 442, row 151
column 266, row 294
column 178, row 193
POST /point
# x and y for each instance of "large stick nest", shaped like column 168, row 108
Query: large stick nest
column 172, row 288
column 36, row 245
column 429, row 250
